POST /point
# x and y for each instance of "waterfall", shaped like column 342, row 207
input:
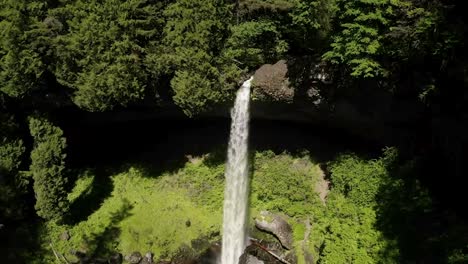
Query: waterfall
column 237, row 180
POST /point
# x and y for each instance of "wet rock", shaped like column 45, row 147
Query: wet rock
column 116, row 258
column 276, row 225
column 211, row 254
column 271, row 83
column 80, row 255
column 65, row 236
column 134, row 258
column 249, row 259
column 184, row 255
column 200, row 244
column 147, row 259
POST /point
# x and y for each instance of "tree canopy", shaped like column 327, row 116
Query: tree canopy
column 60, row 59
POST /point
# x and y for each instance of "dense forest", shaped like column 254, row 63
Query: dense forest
column 82, row 175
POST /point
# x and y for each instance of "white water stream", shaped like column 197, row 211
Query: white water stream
column 237, row 180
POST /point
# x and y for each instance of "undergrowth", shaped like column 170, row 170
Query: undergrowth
column 139, row 209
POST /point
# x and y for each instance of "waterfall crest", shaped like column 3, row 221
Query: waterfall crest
column 237, row 180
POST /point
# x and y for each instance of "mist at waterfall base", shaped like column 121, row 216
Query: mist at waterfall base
column 237, row 180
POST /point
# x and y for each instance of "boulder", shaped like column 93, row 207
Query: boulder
column 211, row 254
column 276, row 225
column 65, row 236
column 147, row 259
column 134, row 258
column 301, row 89
column 184, row 255
column 270, row 83
column 249, row 259
column 115, row 258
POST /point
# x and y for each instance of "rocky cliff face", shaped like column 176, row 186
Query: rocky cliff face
column 289, row 90
column 298, row 90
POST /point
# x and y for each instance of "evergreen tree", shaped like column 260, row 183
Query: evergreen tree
column 47, row 168
column 102, row 55
column 23, row 45
column 11, row 146
column 253, row 43
column 312, row 22
column 11, row 152
column 193, row 38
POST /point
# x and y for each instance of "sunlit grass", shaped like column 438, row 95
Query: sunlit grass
column 160, row 213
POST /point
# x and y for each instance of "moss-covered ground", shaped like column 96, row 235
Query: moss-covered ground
column 365, row 218
column 160, row 213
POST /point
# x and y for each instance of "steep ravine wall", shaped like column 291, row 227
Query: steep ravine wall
column 288, row 91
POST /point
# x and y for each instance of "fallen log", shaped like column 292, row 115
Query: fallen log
column 255, row 242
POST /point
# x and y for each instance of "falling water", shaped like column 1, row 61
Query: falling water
column 236, row 191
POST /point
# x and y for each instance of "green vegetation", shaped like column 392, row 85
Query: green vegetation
column 351, row 236
column 161, row 213
column 140, row 214
column 11, row 181
column 284, row 184
column 66, row 60
column 101, row 50
column 47, row 168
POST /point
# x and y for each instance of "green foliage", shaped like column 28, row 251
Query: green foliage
column 11, row 152
column 350, row 228
column 313, row 19
column 358, row 45
column 148, row 212
column 269, row 5
column 358, row 180
column 415, row 31
column 83, row 186
column 351, row 236
column 11, row 206
column 11, row 146
column 101, row 55
column 47, row 168
column 11, row 181
column 193, row 37
column 23, row 45
column 254, row 43
column 282, row 183
column 143, row 212
column 204, row 182
column 348, row 225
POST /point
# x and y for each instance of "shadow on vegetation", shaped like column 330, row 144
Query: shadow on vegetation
column 20, row 242
column 301, row 73
column 407, row 213
column 160, row 146
column 105, row 243
column 425, row 231
column 90, row 200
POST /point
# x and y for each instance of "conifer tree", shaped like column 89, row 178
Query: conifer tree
column 23, row 45
column 193, row 38
column 47, row 168
column 102, row 55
